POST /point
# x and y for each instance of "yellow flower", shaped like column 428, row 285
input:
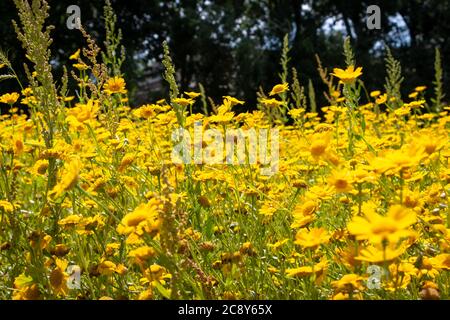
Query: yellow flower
column 75, row 55
column 348, row 75
column 6, row 206
column 381, row 99
column 183, row 101
column 299, row 272
column 58, row 277
column 276, row 245
column 83, row 112
column 69, row 178
column 233, row 101
column 427, row 267
column 413, row 95
column 296, row 113
column 126, row 161
column 319, row 144
column 430, row 142
column 222, row 118
column 402, row 111
column 378, row 228
column 268, row 208
column 312, row 238
column 141, row 254
column 420, row 88
column 335, row 94
column 271, row 102
column 279, row 88
column 341, row 180
column 304, row 214
column 396, row 160
column 375, row 93
column 146, row 111
column 144, row 219
column 412, row 199
column 80, row 66
column 9, row 98
column 40, row 240
column 27, row 92
column 29, row 100
column 378, row 254
column 91, row 224
column 156, row 270
column 136, row 217
column 146, row 295
column 415, row 104
column 26, row 289
column 441, row 261
column 115, row 85
column 70, row 220
column 106, row 267
column 2, row 65
column 111, row 248
column 348, row 283
column 192, row 94
column 319, row 270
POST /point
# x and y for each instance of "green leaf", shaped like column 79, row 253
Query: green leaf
column 165, row 292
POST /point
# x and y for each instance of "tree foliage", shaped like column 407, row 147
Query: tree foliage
column 234, row 46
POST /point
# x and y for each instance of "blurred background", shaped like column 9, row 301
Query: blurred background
column 233, row 47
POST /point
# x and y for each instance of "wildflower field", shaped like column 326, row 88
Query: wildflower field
column 94, row 205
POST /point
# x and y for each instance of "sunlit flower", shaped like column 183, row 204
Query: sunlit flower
column 233, row 100
column 304, row 213
column 142, row 254
column 75, row 55
column 375, row 93
column 378, row 228
column 273, row 103
column 312, row 238
column 319, row 269
column 6, row 206
column 69, row 177
column 9, row 98
column 381, row 99
column 279, row 88
column 26, row 288
column 183, row 101
column 348, row 75
column 115, row 85
column 379, row 253
column 341, row 180
column 349, row 283
column 58, row 277
column 80, row 66
column 192, row 94
column 420, row 88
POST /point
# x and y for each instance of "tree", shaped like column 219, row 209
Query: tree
column 233, row 47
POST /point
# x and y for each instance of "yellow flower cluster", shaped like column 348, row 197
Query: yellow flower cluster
column 356, row 188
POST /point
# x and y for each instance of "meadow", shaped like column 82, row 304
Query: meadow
column 93, row 205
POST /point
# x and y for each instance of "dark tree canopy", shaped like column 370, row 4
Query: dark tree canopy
column 233, row 47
